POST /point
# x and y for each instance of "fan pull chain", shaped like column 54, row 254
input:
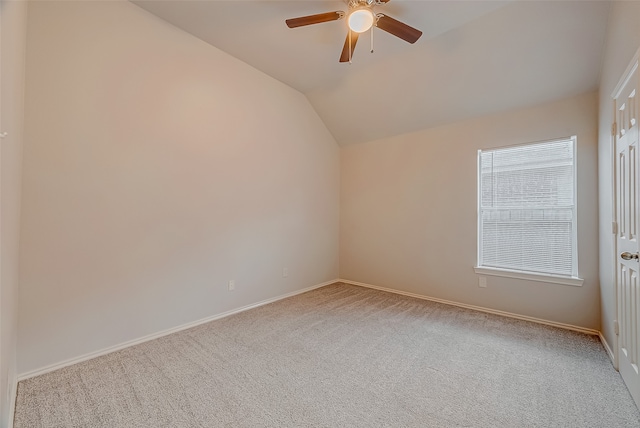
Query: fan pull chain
column 372, row 39
column 350, row 47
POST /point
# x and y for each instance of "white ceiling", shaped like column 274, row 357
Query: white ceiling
column 474, row 58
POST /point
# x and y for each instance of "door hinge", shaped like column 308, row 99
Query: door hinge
column 616, row 327
column 614, row 128
column 614, row 228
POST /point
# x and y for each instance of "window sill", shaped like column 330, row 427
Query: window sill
column 554, row 279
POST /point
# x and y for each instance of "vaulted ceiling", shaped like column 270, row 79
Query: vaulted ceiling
column 474, row 58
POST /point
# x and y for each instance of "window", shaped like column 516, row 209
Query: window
column 527, row 212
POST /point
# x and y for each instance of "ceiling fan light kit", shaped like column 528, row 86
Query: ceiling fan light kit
column 360, row 18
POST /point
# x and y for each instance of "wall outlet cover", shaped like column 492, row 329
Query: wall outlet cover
column 482, row 282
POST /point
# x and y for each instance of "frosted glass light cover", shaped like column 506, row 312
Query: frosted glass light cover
column 360, row 20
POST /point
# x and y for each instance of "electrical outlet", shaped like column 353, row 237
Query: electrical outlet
column 482, row 281
column 232, row 285
column 285, row 272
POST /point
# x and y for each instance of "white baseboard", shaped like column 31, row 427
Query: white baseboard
column 85, row 357
column 91, row 355
column 13, row 395
column 608, row 349
column 478, row 308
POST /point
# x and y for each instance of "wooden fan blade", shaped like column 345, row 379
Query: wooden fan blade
column 344, row 57
column 398, row 29
column 314, row 19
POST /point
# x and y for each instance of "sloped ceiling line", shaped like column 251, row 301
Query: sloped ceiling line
column 475, row 57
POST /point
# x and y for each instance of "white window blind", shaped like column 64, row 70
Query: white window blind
column 527, row 208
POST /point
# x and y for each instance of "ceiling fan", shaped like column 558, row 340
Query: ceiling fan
column 360, row 18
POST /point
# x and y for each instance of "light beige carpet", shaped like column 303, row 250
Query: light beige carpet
column 341, row 356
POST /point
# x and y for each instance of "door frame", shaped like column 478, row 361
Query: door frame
column 624, row 79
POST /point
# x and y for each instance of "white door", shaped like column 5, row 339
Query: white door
column 625, row 131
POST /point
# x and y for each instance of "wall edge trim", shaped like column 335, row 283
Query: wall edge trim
column 13, row 396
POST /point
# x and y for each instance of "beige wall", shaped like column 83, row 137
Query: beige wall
column 408, row 212
column 157, row 168
column 623, row 40
column 13, row 33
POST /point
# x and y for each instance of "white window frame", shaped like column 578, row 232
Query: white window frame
column 573, row 279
